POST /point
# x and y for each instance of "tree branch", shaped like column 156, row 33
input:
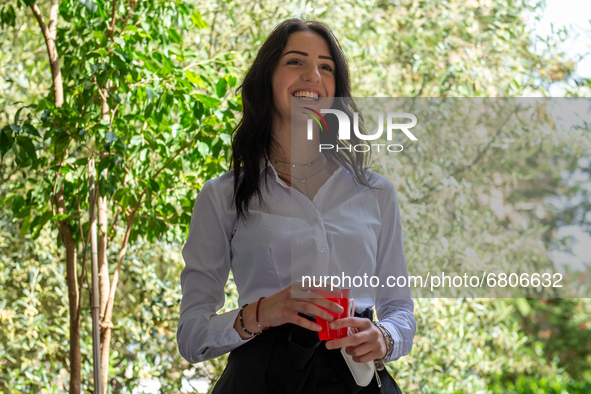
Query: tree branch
column 99, row 89
column 131, row 8
column 109, row 307
column 116, row 218
column 41, row 21
column 83, row 275
column 112, row 27
column 113, row 116
column 50, row 35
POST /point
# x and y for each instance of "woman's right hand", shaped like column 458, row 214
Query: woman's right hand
column 284, row 306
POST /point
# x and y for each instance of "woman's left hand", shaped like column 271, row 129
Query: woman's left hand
column 366, row 343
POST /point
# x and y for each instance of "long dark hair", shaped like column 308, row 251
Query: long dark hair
column 252, row 140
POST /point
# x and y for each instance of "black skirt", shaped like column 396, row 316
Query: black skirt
column 292, row 360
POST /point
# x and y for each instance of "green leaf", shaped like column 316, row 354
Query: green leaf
column 120, row 41
column 203, row 148
column 221, row 87
column 150, row 93
column 27, row 145
column 122, row 196
column 149, row 110
column 136, row 140
column 198, row 21
column 25, row 225
column 154, row 185
column 193, row 78
column 39, row 222
column 17, row 115
column 104, row 163
column 29, row 2
column 174, row 36
column 231, row 80
column 111, row 137
column 17, row 204
column 198, row 110
column 209, row 102
column 5, row 141
column 30, row 129
column 225, row 138
column 60, row 217
column 90, row 5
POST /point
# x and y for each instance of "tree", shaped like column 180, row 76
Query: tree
column 123, row 94
column 405, row 48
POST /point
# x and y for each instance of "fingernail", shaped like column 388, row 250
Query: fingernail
column 328, row 345
column 331, row 325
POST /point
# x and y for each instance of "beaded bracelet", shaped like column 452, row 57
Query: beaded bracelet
column 389, row 346
column 254, row 334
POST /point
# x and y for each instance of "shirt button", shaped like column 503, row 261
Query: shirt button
column 322, row 250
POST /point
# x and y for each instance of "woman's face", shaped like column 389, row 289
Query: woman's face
column 305, row 70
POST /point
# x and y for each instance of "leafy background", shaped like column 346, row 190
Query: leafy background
column 173, row 70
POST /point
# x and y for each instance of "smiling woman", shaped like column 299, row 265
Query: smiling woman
column 242, row 221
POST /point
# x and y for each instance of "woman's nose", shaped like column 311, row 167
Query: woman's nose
column 311, row 74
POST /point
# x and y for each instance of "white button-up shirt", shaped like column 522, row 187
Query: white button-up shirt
column 347, row 230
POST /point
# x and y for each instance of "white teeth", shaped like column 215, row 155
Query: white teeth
column 312, row 96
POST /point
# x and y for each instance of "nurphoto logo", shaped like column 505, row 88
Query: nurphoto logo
column 345, row 129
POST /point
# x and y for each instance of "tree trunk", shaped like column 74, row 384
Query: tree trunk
column 73, row 296
column 50, row 35
column 104, row 283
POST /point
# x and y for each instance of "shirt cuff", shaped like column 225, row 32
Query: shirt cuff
column 223, row 337
column 402, row 346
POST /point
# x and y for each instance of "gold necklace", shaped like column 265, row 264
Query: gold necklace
column 293, row 165
column 303, row 180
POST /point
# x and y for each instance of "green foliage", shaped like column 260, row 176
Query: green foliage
column 152, row 143
column 560, row 330
column 406, row 48
column 33, row 313
column 170, row 76
column 555, row 384
column 159, row 137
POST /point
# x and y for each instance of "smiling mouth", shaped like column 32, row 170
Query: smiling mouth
column 306, row 96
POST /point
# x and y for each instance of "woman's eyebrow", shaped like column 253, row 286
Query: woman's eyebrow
column 305, row 54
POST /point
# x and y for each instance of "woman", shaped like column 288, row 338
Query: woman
column 287, row 210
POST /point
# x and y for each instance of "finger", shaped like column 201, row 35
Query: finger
column 364, row 348
column 313, row 294
column 328, row 304
column 352, row 321
column 366, row 357
column 351, row 340
column 305, row 323
column 314, row 310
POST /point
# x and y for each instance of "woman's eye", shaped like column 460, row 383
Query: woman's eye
column 293, row 61
column 327, row 68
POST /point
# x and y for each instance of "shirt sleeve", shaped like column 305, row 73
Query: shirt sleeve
column 203, row 334
column 394, row 305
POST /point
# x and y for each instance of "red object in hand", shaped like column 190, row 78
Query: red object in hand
column 343, row 300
